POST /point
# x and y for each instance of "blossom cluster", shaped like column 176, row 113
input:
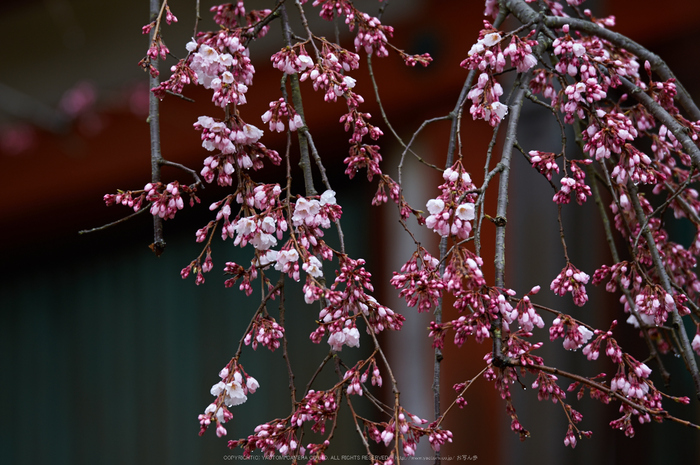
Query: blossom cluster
column 274, row 115
column 572, row 280
column 347, row 301
column 165, row 200
column 452, row 211
column 232, row 390
column 487, row 56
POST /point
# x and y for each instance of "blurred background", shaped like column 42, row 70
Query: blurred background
column 107, row 355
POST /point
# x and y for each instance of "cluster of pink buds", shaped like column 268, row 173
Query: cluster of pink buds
column 317, row 406
column 528, row 317
column 198, row 268
column 127, row 198
column 166, row 200
column 634, row 165
column 654, row 302
column 420, row 283
column 312, row 215
column 292, row 60
column 381, row 197
column 620, row 272
column 633, row 385
column 664, row 93
column 548, row 387
column 592, row 350
column 328, row 74
column 588, row 91
column 520, row 52
column 486, row 53
column 544, row 162
column 224, row 66
column 181, row 75
column 575, row 335
column 465, row 280
column 265, row 331
column 575, row 185
column 356, row 378
column 363, row 156
column 371, row 35
column 408, row 428
column 157, row 48
column 452, row 211
column 573, row 280
column 238, row 272
column 169, row 18
column 569, row 52
column 279, row 109
column 226, row 15
column 485, row 100
column 329, row 8
column 238, row 145
column 357, row 121
column 609, row 135
column 215, row 136
column 541, row 83
column 276, row 436
column 344, row 306
column 487, row 57
column 519, row 348
column 438, row 437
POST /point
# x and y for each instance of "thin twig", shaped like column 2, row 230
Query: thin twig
column 113, row 223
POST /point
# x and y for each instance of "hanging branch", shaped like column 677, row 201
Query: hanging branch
column 679, row 328
column 158, row 245
column 284, row 229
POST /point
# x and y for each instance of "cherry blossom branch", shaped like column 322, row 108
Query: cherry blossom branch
column 158, row 244
column 324, row 178
column 221, row 61
column 653, row 353
column 461, row 394
column 180, row 96
column 502, row 205
column 669, row 121
column 305, row 161
column 605, row 389
column 454, row 114
column 271, row 292
column 525, row 14
column 679, row 329
column 626, row 43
